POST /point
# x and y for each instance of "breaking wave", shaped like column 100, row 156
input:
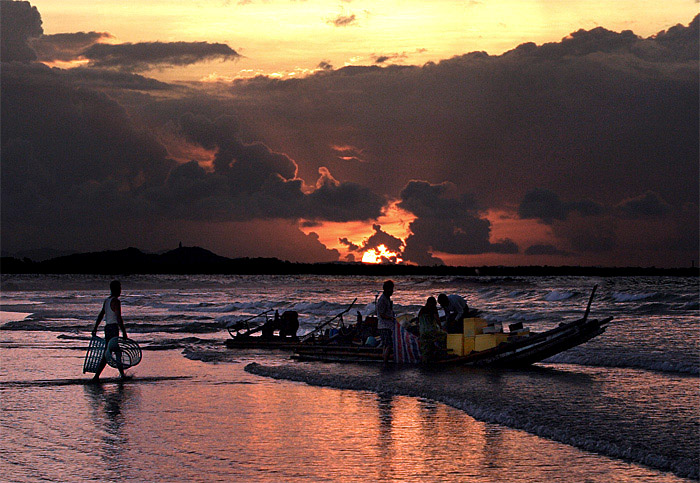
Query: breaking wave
column 628, row 361
column 557, row 295
column 195, row 327
column 632, row 297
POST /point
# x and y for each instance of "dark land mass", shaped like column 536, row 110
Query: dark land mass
column 195, row 260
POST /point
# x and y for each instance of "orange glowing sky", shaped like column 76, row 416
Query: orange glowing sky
column 290, row 38
column 287, row 39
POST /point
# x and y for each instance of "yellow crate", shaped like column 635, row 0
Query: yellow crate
column 474, row 326
column 468, row 344
column 484, row 342
column 520, row 333
column 455, row 343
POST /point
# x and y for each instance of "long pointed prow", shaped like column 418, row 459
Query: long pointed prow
column 590, row 301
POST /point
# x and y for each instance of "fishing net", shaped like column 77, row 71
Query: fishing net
column 94, row 354
column 122, row 350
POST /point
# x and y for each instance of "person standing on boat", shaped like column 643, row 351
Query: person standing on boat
column 432, row 338
column 386, row 319
column 456, row 309
column 112, row 314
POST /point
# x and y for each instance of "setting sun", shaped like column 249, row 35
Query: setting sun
column 381, row 254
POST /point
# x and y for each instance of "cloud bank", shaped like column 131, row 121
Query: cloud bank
column 593, row 137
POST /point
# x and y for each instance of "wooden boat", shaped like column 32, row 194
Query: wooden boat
column 242, row 334
column 275, row 343
column 516, row 351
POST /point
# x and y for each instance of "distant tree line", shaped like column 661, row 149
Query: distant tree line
column 195, row 260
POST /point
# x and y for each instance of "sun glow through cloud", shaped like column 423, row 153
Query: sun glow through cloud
column 381, row 254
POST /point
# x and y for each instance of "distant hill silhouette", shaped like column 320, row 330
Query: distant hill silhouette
column 192, row 260
column 38, row 255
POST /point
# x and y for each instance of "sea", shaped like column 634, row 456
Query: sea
column 624, row 407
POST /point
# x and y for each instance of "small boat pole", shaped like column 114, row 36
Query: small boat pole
column 247, row 327
column 321, row 326
column 590, row 301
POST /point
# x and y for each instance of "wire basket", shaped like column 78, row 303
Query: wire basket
column 124, row 351
column 95, row 351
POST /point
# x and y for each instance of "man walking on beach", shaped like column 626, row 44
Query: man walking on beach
column 385, row 318
column 112, row 314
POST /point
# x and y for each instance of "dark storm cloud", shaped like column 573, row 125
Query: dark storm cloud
column 66, row 46
column 149, row 55
column 547, row 206
column 19, row 23
column 649, row 204
column 350, row 245
column 382, row 58
column 601, row 115
column 445, row 224
column 429, row 200
column 542, row 204
column 380, row 237
column 544, row 249
column 252, row 181
column 79, row 171
column 110, row 79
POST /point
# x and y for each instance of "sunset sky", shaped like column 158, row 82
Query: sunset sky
column 443, row 132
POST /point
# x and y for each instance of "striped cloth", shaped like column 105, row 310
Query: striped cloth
column 406, row 347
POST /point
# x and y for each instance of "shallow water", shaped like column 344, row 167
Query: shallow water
column 623, row 407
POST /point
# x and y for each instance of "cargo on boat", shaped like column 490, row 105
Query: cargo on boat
column 478, row 344
column 280, row 332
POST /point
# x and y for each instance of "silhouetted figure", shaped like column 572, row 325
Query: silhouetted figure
column 456, row 309
column 289, row 324
column 112, row 314
column 386, row 319
column 432, row 338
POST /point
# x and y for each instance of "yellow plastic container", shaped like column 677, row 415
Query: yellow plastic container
column 474, row 326
column 520, row 333
column 455, row 344
column 484, row 342
column 468, row 344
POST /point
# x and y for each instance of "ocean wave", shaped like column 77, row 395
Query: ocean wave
column 632, row 297
column 486, row 412
column 211, row 356
column 170, row 344
column 196, row 327
column 48, row 326
column 321, row 307
column 652, row 308
column 210, row 307
column 187, row 317
column 628, row 361
column 691, row 306
column 559, row 295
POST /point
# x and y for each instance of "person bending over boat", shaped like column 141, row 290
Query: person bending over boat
column 432, row 339
column 386, row 319
column 456, row 309
column 112, row 314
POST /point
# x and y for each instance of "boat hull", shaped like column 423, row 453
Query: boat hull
column 276, row 343
column 520, row 352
